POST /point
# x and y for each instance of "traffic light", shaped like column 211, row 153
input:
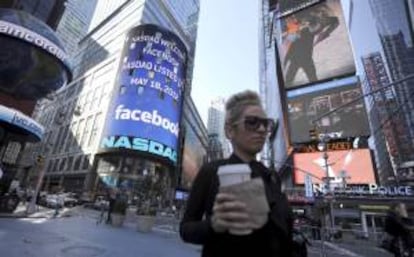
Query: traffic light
column 313, row 134
column 39, row 159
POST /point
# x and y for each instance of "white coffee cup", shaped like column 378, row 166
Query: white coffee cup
column 233, row 174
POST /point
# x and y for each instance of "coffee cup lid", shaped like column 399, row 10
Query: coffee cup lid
column 234, row 168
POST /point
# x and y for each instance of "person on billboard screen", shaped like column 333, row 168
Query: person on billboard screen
column 224, row 222
column 316, row 25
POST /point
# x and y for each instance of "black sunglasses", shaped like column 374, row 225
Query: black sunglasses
column 253, row 123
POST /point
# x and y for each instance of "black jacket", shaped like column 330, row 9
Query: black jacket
column 274, row 239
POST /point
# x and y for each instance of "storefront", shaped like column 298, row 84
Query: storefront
column 359, row 208
column 33, row 65
column 138, row 177
column 15, row 130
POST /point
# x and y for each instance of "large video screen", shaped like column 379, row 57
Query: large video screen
column 356, row 164
column 306, row 107
column 146, row 105
column 313, row 45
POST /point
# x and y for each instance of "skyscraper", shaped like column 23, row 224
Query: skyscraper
column 394, row 23
column 215, row 124
column 75, row 23
column 81, row 156
column 48, row 11
column 388, row 127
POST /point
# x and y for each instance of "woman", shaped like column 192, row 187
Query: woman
column 211, row 214
column 397, row 225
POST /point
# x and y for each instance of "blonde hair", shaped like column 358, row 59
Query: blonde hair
column 236, row 104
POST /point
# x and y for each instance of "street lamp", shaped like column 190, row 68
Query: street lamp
column 322, row 146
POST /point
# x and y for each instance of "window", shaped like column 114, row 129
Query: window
column 62, row 164
column 95, row 127
column 78, row 132
column 12, row 152
column 140, row 90
column 73, row 135
column 88, row 101
column 63, row 139
column 50, row 166
column 85, row 164
column 69, row 165
column 71, row 91
column 77, row 163
column 122, row 90
column 81, row 101
column 105, row 87
column 86, row 131
column 96, row 97
column 55, row 165
column 59, row 136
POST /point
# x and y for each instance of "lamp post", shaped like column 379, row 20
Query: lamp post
column 40, row 166
column 322, row 146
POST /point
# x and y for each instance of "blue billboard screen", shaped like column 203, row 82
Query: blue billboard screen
column 145, row 111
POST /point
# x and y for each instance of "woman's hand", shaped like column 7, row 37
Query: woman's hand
column 229, row 213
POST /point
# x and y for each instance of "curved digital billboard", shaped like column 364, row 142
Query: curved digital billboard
column 145, row 111
column 33, row 62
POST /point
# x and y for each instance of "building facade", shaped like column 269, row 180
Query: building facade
column 393, row 20
column 314, row 103
column 195, row 146
column 48, row 11
column 215, row 125
column 75, row 23
column 78, row 116
column 29, row 45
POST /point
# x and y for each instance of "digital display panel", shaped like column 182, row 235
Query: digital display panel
column 145, row 111
column 306, row 107
column 313, row 45
column 356, row 165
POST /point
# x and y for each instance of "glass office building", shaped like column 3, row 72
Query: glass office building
column 77, row 116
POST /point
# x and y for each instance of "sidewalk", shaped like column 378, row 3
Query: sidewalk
column 41, row 212
column 79, row 235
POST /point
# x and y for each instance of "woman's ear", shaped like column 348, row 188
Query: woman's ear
column 228, row 131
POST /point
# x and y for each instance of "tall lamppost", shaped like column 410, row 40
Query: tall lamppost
column 328, row 193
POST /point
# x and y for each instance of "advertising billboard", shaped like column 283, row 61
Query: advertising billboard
column 145, row 111
column 306, row 105
column 356, row 165
column 313, row 45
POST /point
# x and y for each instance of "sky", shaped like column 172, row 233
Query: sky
column 226, row 57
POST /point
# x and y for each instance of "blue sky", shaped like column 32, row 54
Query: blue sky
column 226, row 59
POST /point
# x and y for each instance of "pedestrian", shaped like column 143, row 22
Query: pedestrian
column 210, row 215
column 111, row 198
column 397, row 224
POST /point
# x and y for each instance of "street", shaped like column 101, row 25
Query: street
column 78, row 235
